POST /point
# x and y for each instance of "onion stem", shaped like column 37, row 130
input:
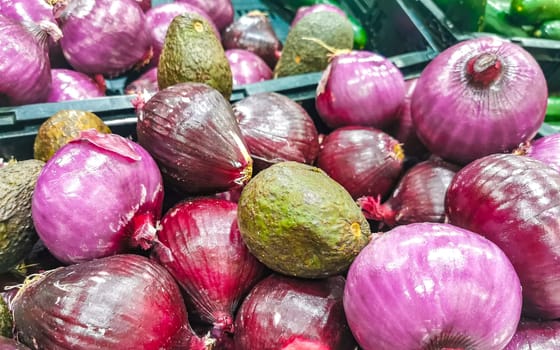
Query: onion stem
column 484, row 69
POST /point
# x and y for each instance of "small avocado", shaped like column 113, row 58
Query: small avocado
column 62, row 127
column 6, row 320
column 298, row 221
column 312, row 41
column 192, row 53
column 17, row 234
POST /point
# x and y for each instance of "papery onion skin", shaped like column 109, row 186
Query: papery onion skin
column 290, row 313
column 432, row 286
column 247, row 68
column 306, row 10
column 360, row 88
column 276, row 129
column 514, row 201
column 462, row 116
column 546, row 149
column 365, row 161
column 122, row 301
column 221, row 11
column 105, row 37
column 199, row 243
column 68, row 85
column 10, row 344
column 534, row 335
column 190, row 130
column 146, row 83
column 99, row 195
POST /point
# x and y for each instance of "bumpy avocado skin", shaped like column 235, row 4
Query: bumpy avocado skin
column 192, row 53
column 301, row 55
column 6, row 320
column 298, row 221
column 17, row 234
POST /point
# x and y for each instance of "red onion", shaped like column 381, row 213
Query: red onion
column 418, row 197
column 432, row 286
column 190, row 130
column 202, row 248
column 103, row 36
column 546, row 149
column 360, row 88
column 121, row 301
column 24, row 62
column 306, row 10
column 10, row 344
column 70, row 85
column 514, row 201
column 254, row 32
column 246, row 67
column 145, row 84
column 159, row 18
column 533, row 335
column 293, row 314
column 481, row 96
column 145, row 5
column 365, row 161
column 97, row 196
column 221, row 11
column 276, row 129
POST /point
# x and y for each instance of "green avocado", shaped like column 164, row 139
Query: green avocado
column 6, row 320
column 311, row 42
column 17, row 234
column 192, row 53
column 298, row 221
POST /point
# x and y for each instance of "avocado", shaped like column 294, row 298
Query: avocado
column 298, row 221
column 312, row 41
column 62, row 127
column 192, row 53
column 6, row 320
column 17, row 235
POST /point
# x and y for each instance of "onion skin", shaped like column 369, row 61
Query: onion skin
column 99, row 195
column 306, row 10
column 514, row 201
column 432, row 286
column 220, row 11
column 68, row 85
column 276, row 129
column 365, row 161
column 145, row 5
column 460, row 117
column 10, row 344
column 418, row 197
column 360, row 88
column 546, row 149
column 202, row 248
column 145, row 84
column 105, row 37
column 289, row 313
column 123, row 299
column 190, row 130
column 247, row 68
column 533, row 335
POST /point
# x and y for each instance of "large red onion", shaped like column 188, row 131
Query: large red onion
column 365, row 161
column 276, row 129
column 481, row 96
column 24, row 62
column 105, row 37
column 534, row 335
column 432, row 286
column 221, row 11
column 360, row 88
column 191, row 131
column 159, row 18
column 418, row 197
column 306, row 10
column 514, row 201
column 546, row 149
column 200, row 244
column 145, row 84
column 246, row 67
column 118, row 302
column 71, row 85
column 98, row 195
column 283, row 313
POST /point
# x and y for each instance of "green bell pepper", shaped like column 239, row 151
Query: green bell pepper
column 467, row 15
column 534, row 12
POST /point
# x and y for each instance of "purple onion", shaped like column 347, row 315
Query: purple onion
column 159, row 18
column 146, row 83
column 105, row 37
column 221, row 11
column 546, row 149
column 145, row 5
column 246, row 67
column 432, row 286
column 99, row 195
column 306, row 10
column 534, row 335
column 24, row 62
column 70, row 85
column 360, row 88
column 481, row 96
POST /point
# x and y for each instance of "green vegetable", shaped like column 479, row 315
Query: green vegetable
column 553, row 109
column 496, row 20
column 534, row 12
column 467, row 15
column 549, row 30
